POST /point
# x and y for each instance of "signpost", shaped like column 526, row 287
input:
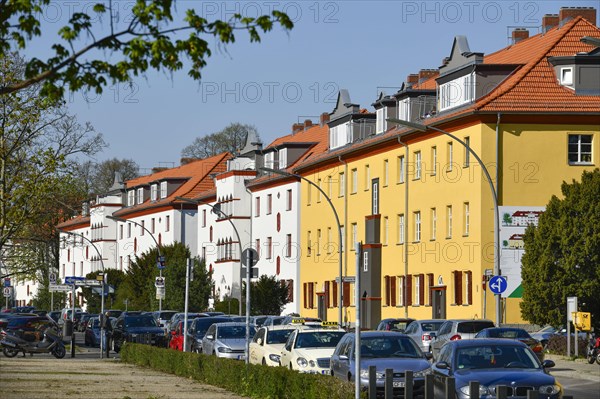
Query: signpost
column 571, row 308
column 249, row 259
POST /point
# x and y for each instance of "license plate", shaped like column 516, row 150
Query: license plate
column 398, row 384
column 242, row 357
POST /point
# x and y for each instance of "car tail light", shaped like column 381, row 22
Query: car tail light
column 426, row 337
column 538, row 348
column 455, row 337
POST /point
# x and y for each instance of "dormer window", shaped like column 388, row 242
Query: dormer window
column 457, row 92
column 163, row 189
column 154, row 192
column 404, row 109
column 131, row 198
column 566, row 76
column 140, row 195
column 282, row 158
column 381, row 124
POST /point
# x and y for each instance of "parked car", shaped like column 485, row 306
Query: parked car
column 514, row 333
column 227, row 340
column 92, row 332
column 113, row 313
column 399, row 325
column 267, row 344
column 136, row 328
column 273, row 320
column 384, row 350
column 65, row 314
column 309, row 350
column 493, row 362
column 163, row 316
column 54, row 315
column 457, row 329
column 423, row 332
column 79, row 319
column 176, row 339
column 548, row 332
column 198, row 329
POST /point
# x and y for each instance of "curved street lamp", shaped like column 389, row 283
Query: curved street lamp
column 340, row 238
column 102, row 301
column 423, row 128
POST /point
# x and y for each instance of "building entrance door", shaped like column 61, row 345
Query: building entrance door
column 321, row 307
column 438, row 302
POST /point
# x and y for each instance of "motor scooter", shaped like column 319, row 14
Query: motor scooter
column 13, row 342
column 593, row 350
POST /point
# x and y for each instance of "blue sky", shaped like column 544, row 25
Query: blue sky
column 363, row 46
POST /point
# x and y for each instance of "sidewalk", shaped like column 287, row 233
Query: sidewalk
column 579, row 368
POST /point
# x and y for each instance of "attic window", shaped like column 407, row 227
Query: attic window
column 566, row 76
column 154, row 192
column 163, row 189
column 140, row 195
column 131, row 198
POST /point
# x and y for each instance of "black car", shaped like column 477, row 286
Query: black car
column 139, row 328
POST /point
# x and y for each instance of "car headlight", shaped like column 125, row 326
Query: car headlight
column 549, row 389
column 275, row 358
column 483, row 390
column 364, row 373
column 224, row 349
column 302, row 362
column 132, row 335
column 199, row 341
column 422, row 373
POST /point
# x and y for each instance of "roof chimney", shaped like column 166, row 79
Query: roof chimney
column 185, row 161
column 567, row 13
column 307, row 124
column 425, row 74
column 519, row 34
column 157, row 169
column 324, row 118
column 412, row 79
column 549, row 21
column 296, row 127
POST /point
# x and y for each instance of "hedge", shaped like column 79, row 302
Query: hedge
column 250, row 380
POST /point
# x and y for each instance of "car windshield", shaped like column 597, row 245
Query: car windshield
column 495, row 356
column 431, row 326
column 319, row 339
column 140, row 322
column 278, row 336
column 508, row 333
column 472, row 327
column 234, row 331
column 389, row 347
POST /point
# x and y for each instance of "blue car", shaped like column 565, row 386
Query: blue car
column 384, row 350
column 494, row 362
column 92, row 332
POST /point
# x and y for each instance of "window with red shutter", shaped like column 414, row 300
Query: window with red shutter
column 393, row 289
column 458, row 287
column 305, row 287
column 421, row 289
column 327, row 298
column 429, row 285
column 334, row 294
column 311, row 295
column 346, row 294
column 386, row 281
column 290, row 286
column 469, row 292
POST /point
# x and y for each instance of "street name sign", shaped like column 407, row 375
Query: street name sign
column 88, row 283
column 60, row 287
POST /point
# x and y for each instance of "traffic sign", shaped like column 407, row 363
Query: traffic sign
column 7, row 292
column 60, row 287
column 72, row 279
column 160, row 292
column 52, row 278
column 88, row 283
column 249, row 255
column 159, row 282
column 160, row 262
column 253, row 271
column 498, row 284
column 7, row 282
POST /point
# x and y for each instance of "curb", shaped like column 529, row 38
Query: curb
column 574, row 368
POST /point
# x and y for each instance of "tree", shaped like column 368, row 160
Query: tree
column 114, row 278
column 231, row 139
column 562, row 255
column 138, row 286
column 150, row 38
column 267, row 296
column 98, row 178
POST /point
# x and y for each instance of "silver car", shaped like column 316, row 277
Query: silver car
column 423, row 332
column 453, row 330
column 226, row 340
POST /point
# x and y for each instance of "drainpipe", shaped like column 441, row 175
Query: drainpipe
column 341, row 287
column 405, row 226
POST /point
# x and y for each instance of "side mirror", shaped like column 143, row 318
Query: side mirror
column 210, row 337
column 548, row 364
column 442, row 365
column 428, row 355
column 344, row 358
column 259, row 341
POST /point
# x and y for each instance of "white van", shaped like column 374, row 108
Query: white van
column 66, row 314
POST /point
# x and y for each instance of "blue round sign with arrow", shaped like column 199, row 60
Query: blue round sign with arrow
column 498, row 284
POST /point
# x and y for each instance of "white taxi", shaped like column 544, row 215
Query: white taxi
column 309, row 350
column 267, row 344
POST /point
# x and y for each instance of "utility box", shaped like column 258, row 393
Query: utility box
column 582, row 321
column 68, row 328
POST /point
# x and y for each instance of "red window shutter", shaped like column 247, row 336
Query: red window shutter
column 393, row 289
column 458, row 287
column 408, row 292
column 470, row 288
column 305, row 286
column 386, row 281
column 334, row 294
column 327, row 298
column 421, row 289
column 290, row 286
column 346, row 294
column 429, row 285
column 311, row 295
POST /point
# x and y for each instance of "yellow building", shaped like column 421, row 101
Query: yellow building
column 419, row 202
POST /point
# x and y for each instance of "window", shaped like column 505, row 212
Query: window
column 289, row 200
column 269, row 248
column 386, row 172
column 458, row 287
column 319, row 194
column 163, row 189
column 154, row 192
column 354, row 181
column 401, row 229
column 386, row 228
column 288, row 246
column 417, row 234
column 152, row 225
column 342, row 185
column 381, row 123
column 566, row 76
column 269, row 203
column 580, row 148
column 131, row 198
column 309, row 192
column 120, row 232
column 142, row 227
column 309, row 244
column 354, row 234
column 467, row 141
column 450, row 157
column 433, row 223
column 449, row 221
column 140, row 195
column 401, row 169
column 434, row 160
column 128, row 230
column 167, row 223
column 319, row 242
column 466, row 219
column 203, row 217
column 329, row 186
column 257, row 243
column 417, row 290
column 404, row 109
column 367, row 177
column 401, row 290
column 257, row 207
column 417, row 164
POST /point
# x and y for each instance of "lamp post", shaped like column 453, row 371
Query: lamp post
column 424, row 128
column 118, row 219
column 102, row 300
column 217, row 210
column 340, row 238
